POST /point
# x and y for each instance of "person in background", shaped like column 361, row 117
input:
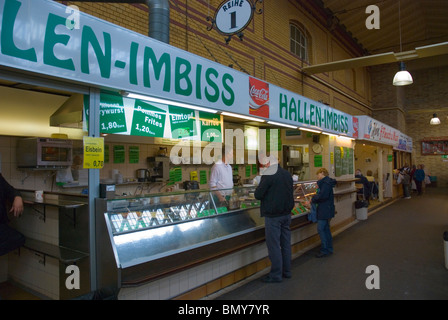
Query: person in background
column 221, row 176
column 370, row 176
column 10, row 238
column 406, row 182
column 419, row 177
column 373, row 186
column 275, row 192
column 427, row 180
column 365, row 184
column 324, row 199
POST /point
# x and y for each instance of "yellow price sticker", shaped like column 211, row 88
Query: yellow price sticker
column 93, row 153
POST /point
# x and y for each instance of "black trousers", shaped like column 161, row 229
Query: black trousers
column 10, row 239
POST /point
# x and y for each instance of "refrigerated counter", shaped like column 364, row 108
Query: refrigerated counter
column 151, row 236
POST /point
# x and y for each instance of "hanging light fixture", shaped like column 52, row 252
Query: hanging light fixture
column 435, row 120
column 402, row 77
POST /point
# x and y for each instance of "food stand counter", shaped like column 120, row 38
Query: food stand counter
column 151, row 236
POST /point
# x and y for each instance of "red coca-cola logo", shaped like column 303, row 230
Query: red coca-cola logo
column 258, row 91
column 259, row 98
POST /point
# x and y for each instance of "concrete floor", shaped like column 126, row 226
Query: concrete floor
column 404, row 240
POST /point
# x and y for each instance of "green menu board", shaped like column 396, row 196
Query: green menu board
column 211, row 129
column 318, row 160
column 112, row 119
column 343, row 161
column 119, row 154
column 203, row 177
column 338, row 161
column 134, row 154
column 183, row 122
column 148, row 120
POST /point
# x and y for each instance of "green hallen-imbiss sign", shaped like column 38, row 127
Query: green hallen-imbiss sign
column 43, row 37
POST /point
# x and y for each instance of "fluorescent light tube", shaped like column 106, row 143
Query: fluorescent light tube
column 310, row 130
column 235, row 115
column 282, row 124
column 345, row 137
column 173, row 103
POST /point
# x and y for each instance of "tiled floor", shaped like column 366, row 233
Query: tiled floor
column 9, row 291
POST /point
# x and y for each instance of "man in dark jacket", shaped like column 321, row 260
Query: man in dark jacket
column 276, row 194
column 10, row 239
column 324, row 199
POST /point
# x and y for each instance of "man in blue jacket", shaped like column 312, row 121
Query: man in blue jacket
column 276, row 194
column 324, row 199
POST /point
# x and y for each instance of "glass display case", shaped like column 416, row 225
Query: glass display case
column 132, row 214
column 303, row 192
column 177, row 229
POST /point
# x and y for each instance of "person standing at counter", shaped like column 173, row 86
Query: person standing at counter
column 10, row 239
column 419, row 177
column 221, row 176
column 276, row 194
column 324, row 199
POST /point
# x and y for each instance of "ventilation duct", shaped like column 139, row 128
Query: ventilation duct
column 69, row 115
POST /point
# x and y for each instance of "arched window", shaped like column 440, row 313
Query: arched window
column 299, row 41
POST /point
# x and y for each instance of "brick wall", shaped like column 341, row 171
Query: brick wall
column 264, row 51
column 410, row 108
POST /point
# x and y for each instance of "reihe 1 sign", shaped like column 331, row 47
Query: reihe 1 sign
column 233, row 16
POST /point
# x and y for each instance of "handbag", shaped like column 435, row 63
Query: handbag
column 427, row 180
column 312, row 215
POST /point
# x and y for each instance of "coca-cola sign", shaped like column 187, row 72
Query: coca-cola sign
column 259, row 98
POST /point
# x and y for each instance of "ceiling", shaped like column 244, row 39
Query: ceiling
column 408, row 30
column 423, row 22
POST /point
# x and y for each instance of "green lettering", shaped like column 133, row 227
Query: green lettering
column 298, row 110
column 318, row 116
column 133, row 63
column 164, row 61
column 182, row 75
column 283, row 104
column 104, row 59
column 292, row 110
column 227, row 101
column 211, row 97
column 312, row 122
column 10, row 11
column 198, row 81
column 329, row 120
column 51, row 39
column 307, row 121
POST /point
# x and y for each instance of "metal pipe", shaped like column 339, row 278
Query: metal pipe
column 159, row 17
column 159, row 20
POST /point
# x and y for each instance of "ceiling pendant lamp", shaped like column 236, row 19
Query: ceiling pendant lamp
column 435, row 120
column 402, row 77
